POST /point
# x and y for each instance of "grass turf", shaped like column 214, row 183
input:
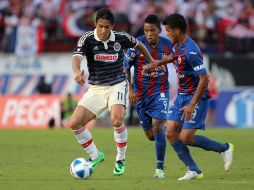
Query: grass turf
column 40, row 159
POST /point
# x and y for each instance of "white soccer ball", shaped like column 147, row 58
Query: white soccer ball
column 81, row 168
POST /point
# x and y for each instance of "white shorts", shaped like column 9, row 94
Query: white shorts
column 98, row 98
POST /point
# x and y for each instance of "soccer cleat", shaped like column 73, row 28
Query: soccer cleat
column 227, row 157
column 98, row 160
column 159, row 174
column 119, row 167
column 191, row 175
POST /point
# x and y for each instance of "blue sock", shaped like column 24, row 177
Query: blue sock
column 209, row 145
column 184, row 155
column 160, row 148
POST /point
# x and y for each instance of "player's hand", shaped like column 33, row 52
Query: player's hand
column 150, row 66
column 79, row 77
column 187, row 111
column 132, row 98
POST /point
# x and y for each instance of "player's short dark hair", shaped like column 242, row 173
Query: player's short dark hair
column 176, row 21
column 105, row 13
column 153, row 19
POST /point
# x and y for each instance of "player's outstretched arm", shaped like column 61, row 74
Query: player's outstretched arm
column 157, row 63
column 142, row 48
column 166, row 60
column 78, row 74
column 132, row 95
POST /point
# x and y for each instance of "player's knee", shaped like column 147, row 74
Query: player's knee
column 186, row 139
column 158, row 123
column 117, row 121
column 171, row 136
column 71, row 125
column 157, row 129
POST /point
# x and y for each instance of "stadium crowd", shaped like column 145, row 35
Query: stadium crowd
column 55, row 25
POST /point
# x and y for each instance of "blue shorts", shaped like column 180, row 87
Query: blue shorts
column 198, row 116
column 152, row 107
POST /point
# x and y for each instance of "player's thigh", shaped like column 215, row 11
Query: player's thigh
column 117, row 94
column 198, row 117
column 95, row 100
column 80, row 117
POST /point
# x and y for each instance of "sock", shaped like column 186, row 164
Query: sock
column 184, row 155
column 120, row 136
column 160, row 148
column 209, row 144
column 85, row 139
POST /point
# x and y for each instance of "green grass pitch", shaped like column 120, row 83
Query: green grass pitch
column 40, row 160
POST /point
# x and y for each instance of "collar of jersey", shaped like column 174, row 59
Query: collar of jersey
column 111, row 37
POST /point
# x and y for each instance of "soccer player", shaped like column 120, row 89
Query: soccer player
column 188, row 113
column 150, row 91
column 103, row 50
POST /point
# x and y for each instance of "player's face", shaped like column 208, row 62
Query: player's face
column 104, row 28
column 152, row 33
column 172, row 33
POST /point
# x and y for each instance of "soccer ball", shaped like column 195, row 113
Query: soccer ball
column 81, row 168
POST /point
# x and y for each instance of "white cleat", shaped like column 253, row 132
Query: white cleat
column 227, row 157
column 191, row 175
column 159, row 174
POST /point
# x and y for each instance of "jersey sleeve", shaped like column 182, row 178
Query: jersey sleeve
column 81, row 46
column 196, row 61
column 129, row 58
column 129, row 41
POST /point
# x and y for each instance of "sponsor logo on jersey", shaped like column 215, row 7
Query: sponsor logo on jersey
column 106, row 57
column 117, row 46
column 199, row 67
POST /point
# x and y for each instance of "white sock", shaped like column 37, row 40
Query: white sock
column 85, row 139
column 121, row 136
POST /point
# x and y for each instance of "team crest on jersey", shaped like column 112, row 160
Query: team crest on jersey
column 132, row 54
column 117, row 46
column 106, row 57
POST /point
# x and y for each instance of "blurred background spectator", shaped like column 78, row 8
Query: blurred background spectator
column 43, row 87
column 68, row 105
column 32, row 26
column 212, row 104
